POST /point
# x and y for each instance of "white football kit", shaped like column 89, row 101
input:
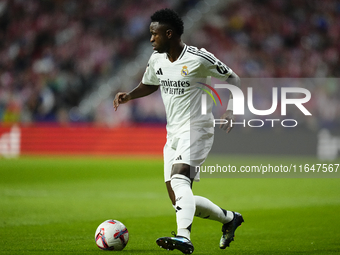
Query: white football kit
column 182, row 83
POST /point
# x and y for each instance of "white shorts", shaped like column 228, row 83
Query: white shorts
column 191, row 148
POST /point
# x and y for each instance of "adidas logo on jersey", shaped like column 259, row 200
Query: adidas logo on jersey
column 179, row 157
column 159, row 72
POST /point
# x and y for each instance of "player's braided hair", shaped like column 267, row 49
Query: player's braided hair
column 169, row 17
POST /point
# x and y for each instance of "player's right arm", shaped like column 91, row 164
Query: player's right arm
column 141, row 90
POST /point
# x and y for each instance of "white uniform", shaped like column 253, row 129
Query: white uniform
column 182, row 83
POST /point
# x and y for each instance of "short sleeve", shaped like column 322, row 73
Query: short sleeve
column 149, row 77
column 212, row 66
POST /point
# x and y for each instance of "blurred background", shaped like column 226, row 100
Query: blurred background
column 62, row 62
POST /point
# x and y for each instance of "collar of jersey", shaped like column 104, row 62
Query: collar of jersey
column 182, row 53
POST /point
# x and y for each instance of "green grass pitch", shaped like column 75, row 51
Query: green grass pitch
column 53, row 205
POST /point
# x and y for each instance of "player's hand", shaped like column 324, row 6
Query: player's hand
column 229, row 116
column 121, row 98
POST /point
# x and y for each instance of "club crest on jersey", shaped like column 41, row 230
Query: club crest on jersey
column 184, row 71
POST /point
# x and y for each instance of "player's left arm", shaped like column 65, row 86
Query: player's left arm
column 233, row 79
column 216, row 68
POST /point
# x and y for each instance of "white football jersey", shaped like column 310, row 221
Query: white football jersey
column 182, row 84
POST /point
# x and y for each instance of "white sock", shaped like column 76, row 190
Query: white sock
column 185, row 204
column 208, row 210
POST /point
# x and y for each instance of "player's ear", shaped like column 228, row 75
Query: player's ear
column 169, row 33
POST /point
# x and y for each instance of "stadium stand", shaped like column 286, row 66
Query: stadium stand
column 54, row 54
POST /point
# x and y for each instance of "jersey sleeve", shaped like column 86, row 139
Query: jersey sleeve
column 212, row 66
column 149, row 77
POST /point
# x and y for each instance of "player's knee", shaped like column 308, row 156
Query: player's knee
column 183, row 169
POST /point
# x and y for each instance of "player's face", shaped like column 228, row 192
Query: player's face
column 159, row 37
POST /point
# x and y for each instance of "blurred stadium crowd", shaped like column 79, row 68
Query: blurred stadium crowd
column 55, row 52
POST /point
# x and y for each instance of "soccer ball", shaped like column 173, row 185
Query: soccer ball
column 111, row 235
